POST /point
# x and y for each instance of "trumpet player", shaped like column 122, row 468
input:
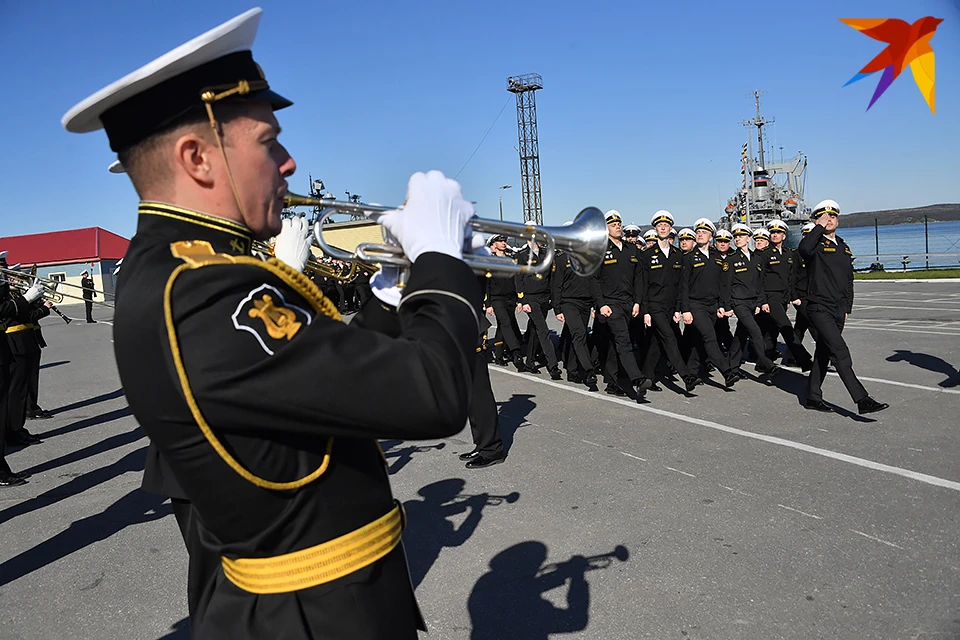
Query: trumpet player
column 231, row 364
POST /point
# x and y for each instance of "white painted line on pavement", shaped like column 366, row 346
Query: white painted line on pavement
column 936, row 333
column 799, row 446
column 876, row 306
column 803, row 513
column 588, row 442
column 678, row 471
column 824, row 430
column 558, row 431
column 865, row 535
column 885, row 381
column 630, row 455
column 917, row 450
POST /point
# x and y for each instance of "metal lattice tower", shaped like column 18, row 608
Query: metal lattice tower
column 525, row 88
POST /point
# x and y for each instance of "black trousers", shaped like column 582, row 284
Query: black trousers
column 33, row 386
column 702, row 336
column 203, row 561
column 537, row 315
column 802, row 325
column 484, row 422
column 576, row 316
column 780, row 324
column 89, row 305
column 505, row 312
column 4, row 389
column 20, row 374
column 830, row 345
column 613, row 342
column 747, row 327
column 664, row 341
column 724, row 335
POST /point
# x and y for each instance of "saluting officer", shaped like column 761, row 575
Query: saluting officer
column 617, row 300
column 776, row 264
column 233, row 365
column 660, row 269
column 573, row 298
column 533, row 298
column 829, row 303
column 744, row 289
column 701, row 280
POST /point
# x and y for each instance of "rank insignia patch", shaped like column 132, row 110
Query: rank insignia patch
column 265, row 313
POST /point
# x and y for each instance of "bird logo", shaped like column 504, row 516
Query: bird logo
column 907, row 44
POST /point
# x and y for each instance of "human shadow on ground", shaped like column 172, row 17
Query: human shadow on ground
column 930, row 363
column 429, row 530
column 50, row 365
column 512, row 416
column 179, row 631
column 87, row 402
column 508, row 603
column 796, row 384
column 106, row 444
column 132, row 462
column 109, row 416
column 136, row 507
column 402, row 456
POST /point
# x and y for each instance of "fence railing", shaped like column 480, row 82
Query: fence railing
column 905, row 262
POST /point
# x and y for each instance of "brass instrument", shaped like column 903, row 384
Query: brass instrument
column 585, row 241
column 601, row 561
column 317, row 267
column 52, row 291
column 490, row 500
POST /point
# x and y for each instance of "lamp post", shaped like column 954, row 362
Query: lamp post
column 506, row 186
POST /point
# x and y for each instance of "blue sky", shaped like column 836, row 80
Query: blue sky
column 640, row 108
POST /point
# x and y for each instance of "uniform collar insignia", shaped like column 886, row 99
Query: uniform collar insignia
column 241, row 237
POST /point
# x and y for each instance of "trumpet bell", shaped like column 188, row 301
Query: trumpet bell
column 584, row 241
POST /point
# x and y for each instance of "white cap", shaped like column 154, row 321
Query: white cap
column 650, row 234
column 741, row 229
column 705, row 223
column 723, row 234
column 631, row 227
column 687, row 233
column 662, row 216
column 760, row 232
column 777, row 225
column 4, row 254
column 612, row 216
column 823, row 207
column 158, row 93
column 116, row 167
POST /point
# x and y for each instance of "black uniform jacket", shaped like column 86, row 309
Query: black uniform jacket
column 570, row 287
column 701, row 280
column 25, row 342
column 501, row 288
column 295, row 398
column 776, row 266
column 533, row 287
column 798, row 278
column 744, row 284
column 618, row 279
column 660, row 275
column 11, row 307
column 829, row 270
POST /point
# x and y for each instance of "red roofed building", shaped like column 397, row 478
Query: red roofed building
column 64, row 255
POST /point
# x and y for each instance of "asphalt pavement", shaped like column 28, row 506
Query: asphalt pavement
column 716, row 514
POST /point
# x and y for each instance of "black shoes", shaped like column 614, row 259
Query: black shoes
column 690, row 383
column 22, row 438
column 556, row 374
column 573, row 376
column 818, row 405
column 8, row 479
column 39, row 414
column 470, row 455
column 869, row 405
column 480, row 462
column 614, row 389
column 730, row 378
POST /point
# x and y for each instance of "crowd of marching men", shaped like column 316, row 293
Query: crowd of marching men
column 661, row 305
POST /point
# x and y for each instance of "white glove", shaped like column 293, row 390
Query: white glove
column 293, row 244
column 434, row 217
column 384, row 285
column 34, row 292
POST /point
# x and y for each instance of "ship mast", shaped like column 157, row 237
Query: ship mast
column 758, row 122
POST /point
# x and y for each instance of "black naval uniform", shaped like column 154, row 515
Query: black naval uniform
column 777, row 267
column 745, row 290
column 798, row 291
column 502, row 297
column 11, row 307
column 660, row 276
column 618, row 287
column 88, row 295
column 534, row 290
column 829, row 300
column 22, row 336
column 573, row 297
column 234, row 368
column 701, row 280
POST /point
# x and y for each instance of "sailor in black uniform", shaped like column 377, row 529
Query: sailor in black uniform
column 776, row 264
column 533, row 298
column 798, row 292
column 501, row 297
column 829, row 303
column 573, row 297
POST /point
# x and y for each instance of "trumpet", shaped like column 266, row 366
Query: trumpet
column 585, row 241
column 490, row 500
column 601, row 561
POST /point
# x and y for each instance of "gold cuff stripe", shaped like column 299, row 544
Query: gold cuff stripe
column 301, row 285
column 21, row 327
column 319, row 564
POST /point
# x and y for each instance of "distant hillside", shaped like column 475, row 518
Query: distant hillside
column 934, row 213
